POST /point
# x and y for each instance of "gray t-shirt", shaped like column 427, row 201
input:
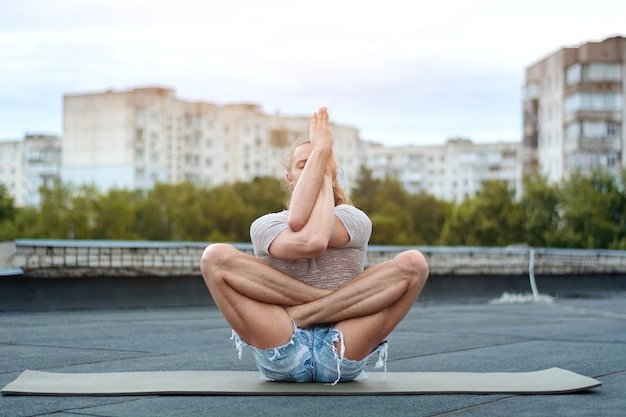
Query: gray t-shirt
column 333, row 268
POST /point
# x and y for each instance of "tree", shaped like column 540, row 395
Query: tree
column 392, row 223
column 27, row 223
column 80, row 212
column 365, row 190
column 540, row 205
column 7, row 215
column 115, row 215
column 152, row 221
column 189, row 212
column 53, row 222
column 492, row 218
column 620, row 214
column 174, row 212
column 262, row 195
column 592, row 208
column 231, row 216
column 428, row 216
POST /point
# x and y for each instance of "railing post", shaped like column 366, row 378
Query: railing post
column 531, row 273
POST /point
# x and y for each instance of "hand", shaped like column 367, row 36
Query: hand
column 319, row 133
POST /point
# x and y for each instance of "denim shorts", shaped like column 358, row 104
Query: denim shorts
column 311, row 356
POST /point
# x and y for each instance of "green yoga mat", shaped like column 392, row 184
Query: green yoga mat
column 549, row 381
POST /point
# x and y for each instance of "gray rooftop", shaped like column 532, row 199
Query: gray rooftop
column 584, row 335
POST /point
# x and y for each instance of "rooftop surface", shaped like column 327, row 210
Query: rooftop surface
column 583, row 335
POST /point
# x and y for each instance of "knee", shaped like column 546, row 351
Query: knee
column 214, row 257
column 414, row 264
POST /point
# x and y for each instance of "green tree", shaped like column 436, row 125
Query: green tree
column 392, row 223
column 8, row 212
column 152, row 220
column 66, row 212
column 81, row 215
column 540, row 205
column 492, row 218
column 620, row 214
column 28, row 223
column 174, row 212
column 365, row 190
column 459, row 228
column 262, row 195
column 115, row 215
column 186, row 211
column 428, row 216
column 592, row 207
column 53, row 222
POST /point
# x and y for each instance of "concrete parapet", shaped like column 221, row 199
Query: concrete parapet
column 83, row 258
column 47, row 274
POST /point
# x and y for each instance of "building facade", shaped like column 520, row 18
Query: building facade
column 137, row 138
column 574, row 110
column 28, row 164
column 453, row 171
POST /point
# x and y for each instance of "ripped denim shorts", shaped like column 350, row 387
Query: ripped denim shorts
column 311, row 356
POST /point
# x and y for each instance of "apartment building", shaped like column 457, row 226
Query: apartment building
column 137, row 138
column 574, row 110
column 452, row 171
column 28, row 164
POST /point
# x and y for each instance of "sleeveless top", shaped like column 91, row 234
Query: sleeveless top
column 333, row 268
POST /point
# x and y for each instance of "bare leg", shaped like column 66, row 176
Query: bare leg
column 369, row 307
column 251, row 295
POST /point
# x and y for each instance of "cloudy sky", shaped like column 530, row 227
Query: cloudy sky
column 402, row 72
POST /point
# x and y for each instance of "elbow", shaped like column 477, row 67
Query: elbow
column 312, row 246
column 296, row 224
column 316, row 248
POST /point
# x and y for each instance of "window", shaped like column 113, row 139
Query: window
column 603, row 71
column 593, row 129
column 573, row 74
column 140, row 115
column 611, row 130
column 593, row 102
column 573, row 131
column 594, row 71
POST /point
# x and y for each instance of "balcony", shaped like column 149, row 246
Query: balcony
column 593, row 145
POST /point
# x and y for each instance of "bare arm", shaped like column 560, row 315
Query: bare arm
column 314, row 237
column 313, row 225
column 309, row 184
column 307, row 190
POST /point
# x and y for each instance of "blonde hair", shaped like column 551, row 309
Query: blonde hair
column 341, row 196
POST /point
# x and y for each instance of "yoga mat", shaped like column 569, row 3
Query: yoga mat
column 549, row 381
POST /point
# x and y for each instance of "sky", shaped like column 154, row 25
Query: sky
column 402, row 72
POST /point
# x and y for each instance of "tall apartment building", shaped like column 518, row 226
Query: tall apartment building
column 574, row 110
column 28, row 164
column 453, row 171
column 137, row 138
column 134, row 139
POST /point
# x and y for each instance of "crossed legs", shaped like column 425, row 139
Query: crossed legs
column 260, row 302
